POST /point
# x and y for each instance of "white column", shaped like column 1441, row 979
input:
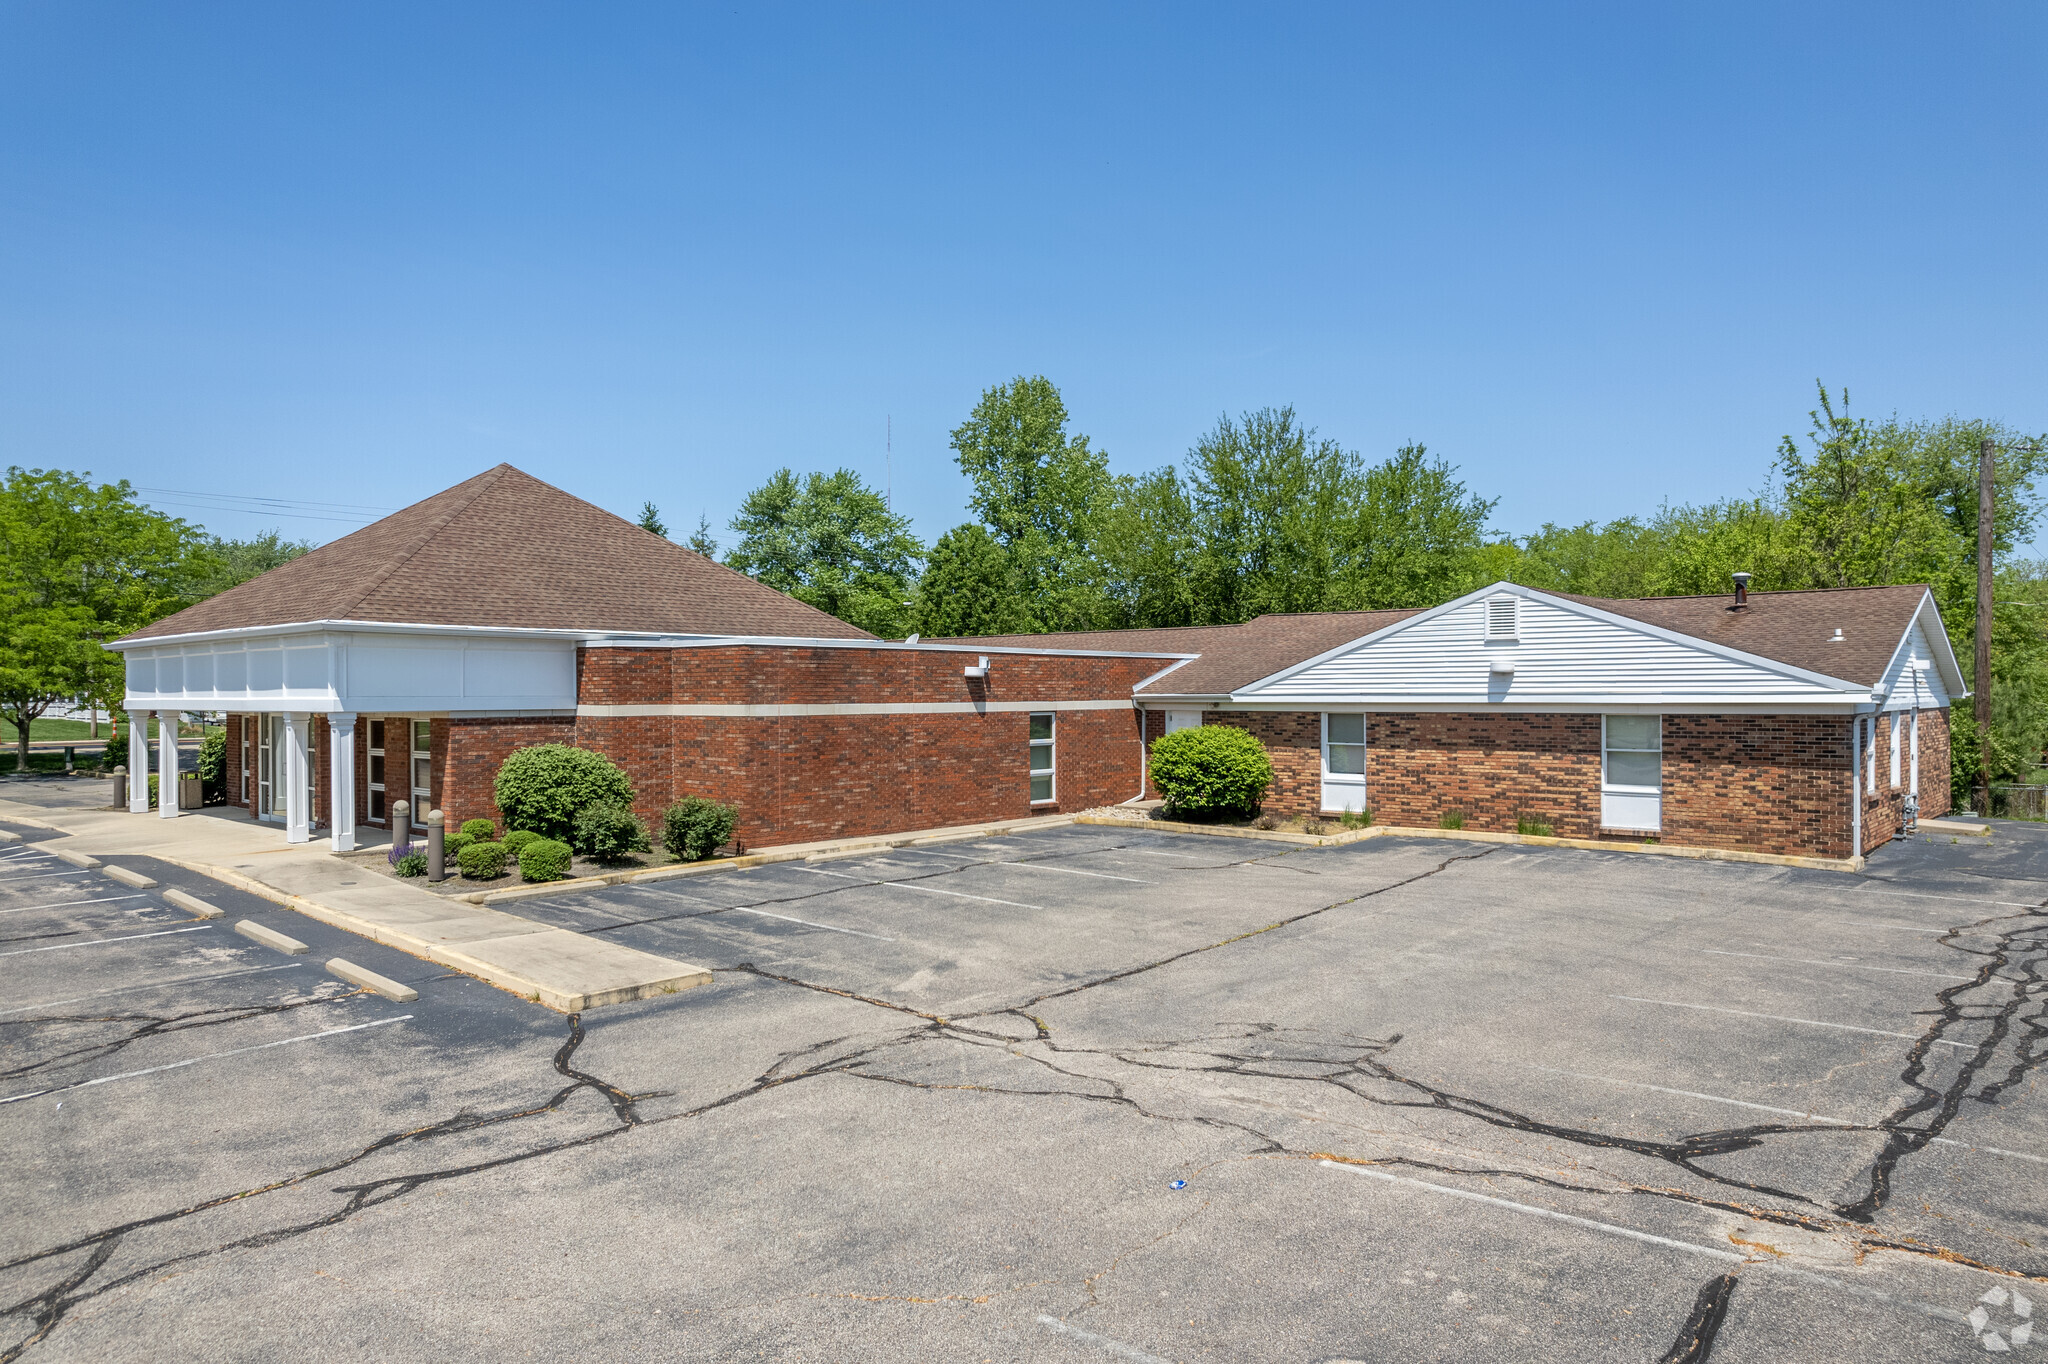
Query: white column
column 297, row 729
column 138, row 762
column 341, row 782
column 167, row 764
column 1915, row 787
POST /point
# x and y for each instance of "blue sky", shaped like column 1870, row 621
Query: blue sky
column 1596, row 255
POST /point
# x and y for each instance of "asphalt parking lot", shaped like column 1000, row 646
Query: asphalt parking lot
column 1082, row 1093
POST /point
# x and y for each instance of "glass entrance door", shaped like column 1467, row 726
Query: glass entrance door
column 266, row 763
column 422, row 771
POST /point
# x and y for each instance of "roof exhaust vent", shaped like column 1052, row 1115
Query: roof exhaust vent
column 1741, row 589
column 1837, row 639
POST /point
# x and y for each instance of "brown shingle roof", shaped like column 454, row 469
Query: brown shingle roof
column 507, row 550
column 1790, row 627
column 1232, row 656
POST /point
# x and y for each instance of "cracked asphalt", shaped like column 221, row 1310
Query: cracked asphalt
column 1082, row 1093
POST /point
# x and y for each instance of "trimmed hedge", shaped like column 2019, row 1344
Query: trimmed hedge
column 609, row 833
column 694, row 828
column 516, row 840
column 1211, row 770
column 544, row 860
column 482, row 861
column 482, row 830
column 542, row 788
column 451, row 847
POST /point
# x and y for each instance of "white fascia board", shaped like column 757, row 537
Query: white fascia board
column 1927, row 615
column 1579, row 608
column 354, row 627
column 1803, row 704
column 617, row 641
column 1148, row 681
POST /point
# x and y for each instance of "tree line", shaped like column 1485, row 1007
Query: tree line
column 1266, row 514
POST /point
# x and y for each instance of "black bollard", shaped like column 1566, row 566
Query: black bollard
column 437, row 847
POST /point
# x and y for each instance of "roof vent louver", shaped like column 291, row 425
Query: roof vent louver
column 1500, row 617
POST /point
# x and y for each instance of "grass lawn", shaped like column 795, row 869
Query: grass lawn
column 78, row 729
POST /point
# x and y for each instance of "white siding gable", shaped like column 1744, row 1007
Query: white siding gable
column 1560, row 658
column 1909, row 688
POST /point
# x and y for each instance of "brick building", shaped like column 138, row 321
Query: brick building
column 405, row 661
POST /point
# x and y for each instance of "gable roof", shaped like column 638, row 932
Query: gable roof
column 505, row 550
column 1792, row 628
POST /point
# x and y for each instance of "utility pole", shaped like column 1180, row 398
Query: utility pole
column 1987, row 455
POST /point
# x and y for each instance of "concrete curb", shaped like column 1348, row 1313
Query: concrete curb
column 6, row 837
column 1850, row 864
column 76, row 859
column 493, row 973
column 256, row 932
column 193, row 905
column 1949, row 826
column 827, row 851
column 128, row 878
column 370, row 980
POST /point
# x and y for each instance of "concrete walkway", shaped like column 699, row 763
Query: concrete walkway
column 553, row 966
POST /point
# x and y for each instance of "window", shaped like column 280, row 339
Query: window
column 422, row 771
column 1344, row 745
column 266, row 762
column 1041, row 759
column 1897, row 736
column 1500, row 617
column 1634, row 754
column 1866, row 735
column 377, row 814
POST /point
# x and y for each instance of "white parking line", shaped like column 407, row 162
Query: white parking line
column 1780, row 1018
column 1713, row 1252
column 152, row 985
column 791, row 919
column 819, row 871
column 951, row 857
column 1959, row 899
column 956, row 894
column 210, row 1056
column 67, row 904
column 96, row 942
column 1766, row 1108
column 46, row 875
column 1879, row 923
column 1103, row 1343
column 1070, row 871
column 1842, row 965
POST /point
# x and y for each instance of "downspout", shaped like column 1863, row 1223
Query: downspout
column 1139, row 707
column 1855, row 787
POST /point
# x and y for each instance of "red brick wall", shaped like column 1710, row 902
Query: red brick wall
column 1884, row 813
column 468, row 753
column 1936, row 783
column 1767, row 783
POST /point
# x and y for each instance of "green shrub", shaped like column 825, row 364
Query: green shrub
column 609, row 833
column 544, row 860
column 452, row 846
column 482, row 830
column 482, row 861
column 412, row 864
column 213, row 756
column 1357, row 819
column 117, row 751
column 694, row 828
column 1211, row 770
column 1452, row 819
column 516, row 840
column 541, row 788
column 1533, row 828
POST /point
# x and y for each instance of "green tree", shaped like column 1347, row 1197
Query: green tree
column 650, row 520
column 80, row 564
column 1146, row 550
column 831, row 541
column 218, row 564
column 1420, row 536
column 1041, row 493
column 702, row 540
column 1274, row 514
column 967, row 588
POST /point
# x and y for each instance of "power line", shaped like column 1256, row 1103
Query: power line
column 267, row 501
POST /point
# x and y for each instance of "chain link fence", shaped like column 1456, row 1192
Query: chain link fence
column 2019, row 802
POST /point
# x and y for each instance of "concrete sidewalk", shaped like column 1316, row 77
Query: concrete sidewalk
column 554, row 966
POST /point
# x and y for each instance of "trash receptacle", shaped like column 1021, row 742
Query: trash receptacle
column 189, row 794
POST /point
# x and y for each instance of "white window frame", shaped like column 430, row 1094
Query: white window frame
column 1493, row 612
column 266, row 766
column 1343, row 791
column 422, row 799
column 379, row 791
column 1898, row 737
column 1868, row 738
column 1050, row 745
column 1626, row 805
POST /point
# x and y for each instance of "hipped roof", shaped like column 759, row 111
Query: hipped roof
column 505, row 550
